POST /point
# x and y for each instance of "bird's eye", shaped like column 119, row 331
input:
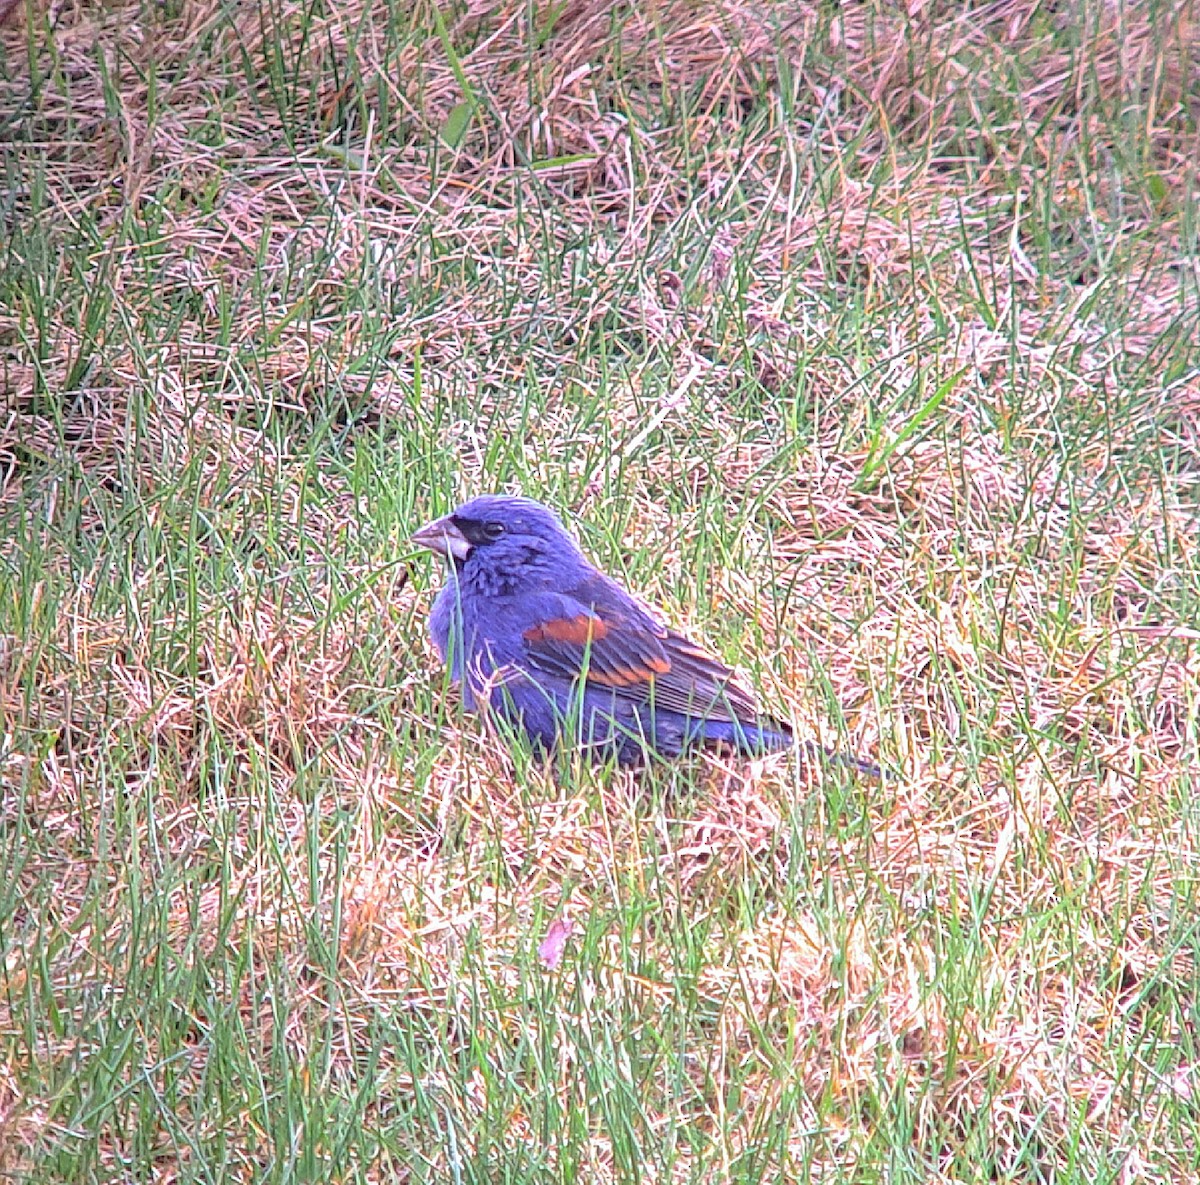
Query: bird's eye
column 493, row 530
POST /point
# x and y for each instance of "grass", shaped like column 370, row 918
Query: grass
column 862, row 338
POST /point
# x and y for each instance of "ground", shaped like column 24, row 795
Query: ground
column 862, row 340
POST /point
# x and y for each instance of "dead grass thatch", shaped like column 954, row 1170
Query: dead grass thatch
column 948, row 169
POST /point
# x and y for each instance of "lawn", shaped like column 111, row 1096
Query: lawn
column 862, row 339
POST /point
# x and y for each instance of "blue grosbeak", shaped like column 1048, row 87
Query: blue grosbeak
column 536, row 635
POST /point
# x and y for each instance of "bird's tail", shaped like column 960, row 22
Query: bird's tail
column 835, row 757
column 768, row 735
column 774, row 734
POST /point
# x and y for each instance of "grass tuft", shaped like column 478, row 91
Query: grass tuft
column 863, row 338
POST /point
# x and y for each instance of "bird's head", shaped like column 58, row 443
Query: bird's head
column 508, row 538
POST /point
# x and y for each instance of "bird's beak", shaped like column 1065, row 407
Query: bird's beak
column 444, row 537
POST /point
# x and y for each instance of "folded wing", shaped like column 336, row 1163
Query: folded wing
column 594, row 634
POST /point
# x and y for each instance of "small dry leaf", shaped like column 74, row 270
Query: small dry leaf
column 551, row 948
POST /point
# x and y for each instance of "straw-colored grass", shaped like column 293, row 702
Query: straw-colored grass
column 863, row 338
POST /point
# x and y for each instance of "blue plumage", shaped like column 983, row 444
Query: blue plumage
column 536, row 635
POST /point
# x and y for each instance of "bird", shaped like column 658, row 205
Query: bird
column 536, row 636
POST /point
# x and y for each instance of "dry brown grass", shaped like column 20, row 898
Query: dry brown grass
column 1002, row 608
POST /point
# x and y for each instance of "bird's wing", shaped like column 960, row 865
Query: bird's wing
column 597, row 631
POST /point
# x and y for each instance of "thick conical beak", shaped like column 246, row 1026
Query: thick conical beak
column 444, row 537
